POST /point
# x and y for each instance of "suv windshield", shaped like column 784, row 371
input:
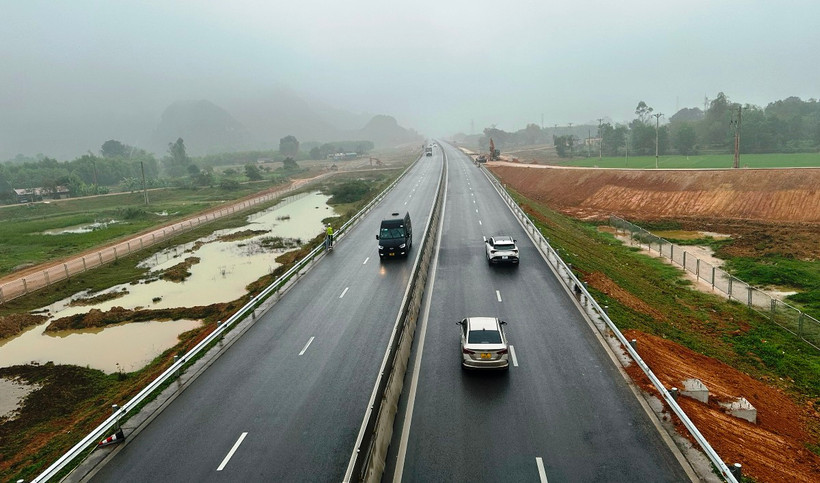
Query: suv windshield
column 484, row 337
column 391, row 233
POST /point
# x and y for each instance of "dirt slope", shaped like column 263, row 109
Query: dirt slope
column 774, row 195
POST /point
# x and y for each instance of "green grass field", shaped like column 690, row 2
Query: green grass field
column 705, row 161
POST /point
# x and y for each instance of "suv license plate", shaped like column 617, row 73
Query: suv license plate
column 486, row 355
column 504, row 257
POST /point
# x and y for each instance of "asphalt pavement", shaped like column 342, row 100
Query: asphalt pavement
column 562, row 412
column 286, row 401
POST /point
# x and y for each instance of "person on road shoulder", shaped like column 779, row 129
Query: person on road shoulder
column 329, row 236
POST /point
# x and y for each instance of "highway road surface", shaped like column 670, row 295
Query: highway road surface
column 286, row 401
column 562, row 412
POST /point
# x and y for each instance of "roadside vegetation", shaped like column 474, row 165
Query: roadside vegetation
column 109, row 218
column 72, row 400
column 661, row 302
column 772, row 266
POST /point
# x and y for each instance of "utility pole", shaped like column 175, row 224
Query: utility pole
column 144, row 189
column 570, row 140
column 736, row 125
column 657, row 123
column 626, row 148
column 601, row 137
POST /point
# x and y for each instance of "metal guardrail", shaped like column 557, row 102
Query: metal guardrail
column 566, row 275
column 367, row 460
column 174, row 370
column 781, row 313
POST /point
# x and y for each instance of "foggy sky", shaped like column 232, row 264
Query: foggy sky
column 435, row 65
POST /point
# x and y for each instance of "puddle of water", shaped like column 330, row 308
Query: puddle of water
column 12, row 394
column 704, row 253
column 224, row 270
column 126, row 347
column 86, row 228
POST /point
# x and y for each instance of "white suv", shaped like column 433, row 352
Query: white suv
column 501, row 249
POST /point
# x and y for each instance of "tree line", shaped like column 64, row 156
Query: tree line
column 785, row 126
column 119, row 166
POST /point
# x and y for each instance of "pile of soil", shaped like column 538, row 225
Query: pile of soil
column 771, row 450
column 771, row 195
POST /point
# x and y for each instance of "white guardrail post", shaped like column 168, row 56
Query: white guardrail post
column 173, row 371
column 574, row 284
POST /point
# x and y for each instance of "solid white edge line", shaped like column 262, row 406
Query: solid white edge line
column 344, row 292
column 232, row 451
column 541, row 472
column 498, row 295
column 308, row 345
column 365, row 260
column 411, row 397
column 512, row 354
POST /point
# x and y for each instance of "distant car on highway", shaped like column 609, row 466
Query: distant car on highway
column 501, row 249
column 484, row 343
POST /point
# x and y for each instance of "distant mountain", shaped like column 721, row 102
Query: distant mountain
column 205, row 127
column 260, row 123
column 385, row 131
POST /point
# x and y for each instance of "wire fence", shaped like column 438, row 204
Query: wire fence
column 75, row 266
column 786, row 316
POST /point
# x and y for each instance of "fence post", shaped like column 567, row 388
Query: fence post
column 672, row 253
column 697, row 268
column 45, row 272
column 774, row 307
column 115, row 254
column 749, row 295
column 2, row 300
column 730, row 287
column 684, row 260
column 713, row 278
column 65, row 266
column 800, row 324
column 25, row 286
column 84, row 266
column 99, row 254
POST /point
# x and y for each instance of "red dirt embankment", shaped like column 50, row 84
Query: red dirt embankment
column 773, row 195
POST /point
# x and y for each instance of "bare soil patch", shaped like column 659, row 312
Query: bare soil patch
column 771, row 450
column 772, row 195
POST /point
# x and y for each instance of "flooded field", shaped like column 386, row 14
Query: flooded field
column 226, row 262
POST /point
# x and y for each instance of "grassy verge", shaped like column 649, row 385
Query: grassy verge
column 774, row 268
column 73, row 400
column 659, row 301
column 23, row 227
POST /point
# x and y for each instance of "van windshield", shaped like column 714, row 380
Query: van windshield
column 391, row 233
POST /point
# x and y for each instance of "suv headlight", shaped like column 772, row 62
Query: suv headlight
column 403, row 245
column 381, row 247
